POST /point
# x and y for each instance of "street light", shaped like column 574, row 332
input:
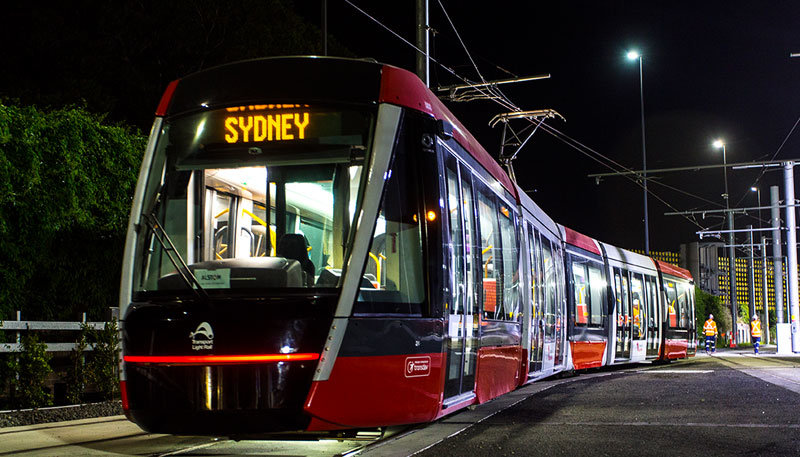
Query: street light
column 758, row 192
column 635, row 55
column 718, row 143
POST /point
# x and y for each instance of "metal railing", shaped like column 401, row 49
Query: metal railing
column 20, row 326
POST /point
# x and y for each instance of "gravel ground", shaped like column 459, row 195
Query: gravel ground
column 58, row 414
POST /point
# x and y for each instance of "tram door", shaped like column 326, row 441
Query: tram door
column 537, row 308
column 623, row 308
column 652, row 316
column 550, row 347
column 462, row 315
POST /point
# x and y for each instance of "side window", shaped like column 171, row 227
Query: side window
column 537, row 283
column 597, row 285
column 637, row 305
column 549, row 287
column 393, row 280
column 456, row 243
column 672, row 302
column 626, row 305
column 683, row 305
column 652, row 301
column 510, row 249
column 470, row 243
column 580, row 291
column 491, row 256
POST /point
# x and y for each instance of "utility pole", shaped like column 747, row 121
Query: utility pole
column 752, row 274
column 791, row 252
column 764, row 287
column 777, row 255
column 423, row 62
column 732, row 278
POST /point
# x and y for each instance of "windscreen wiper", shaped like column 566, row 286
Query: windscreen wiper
column 174, row 256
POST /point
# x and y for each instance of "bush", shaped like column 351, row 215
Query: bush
column 29, row 369
column 104, row 364
column 76, row 376
column 706, row 304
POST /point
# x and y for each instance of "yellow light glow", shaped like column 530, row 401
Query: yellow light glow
column 431, row 216
column 272, row 127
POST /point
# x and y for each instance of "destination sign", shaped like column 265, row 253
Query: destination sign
column 265, row 123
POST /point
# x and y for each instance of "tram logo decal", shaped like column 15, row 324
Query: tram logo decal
column 418, row 366
column 203, row 337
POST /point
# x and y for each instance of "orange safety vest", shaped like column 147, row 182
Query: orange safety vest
column 755, row 329
column 710, row 327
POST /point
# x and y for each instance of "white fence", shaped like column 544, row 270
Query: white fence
column 20, row 326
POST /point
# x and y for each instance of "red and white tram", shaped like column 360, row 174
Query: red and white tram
column 317, row 244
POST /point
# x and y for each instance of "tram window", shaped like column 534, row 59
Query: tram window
column 638, row 309
column 471, row 245
column 580, row 291
column 510, row 249
column 652, row 301
column 491, row 257
column 549, row 287
column 683, row 305
column 597, row 285
column 673, row 309
column 456, row 242
column 393, row 281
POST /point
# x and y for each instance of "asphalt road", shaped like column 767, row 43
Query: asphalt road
column 730, row 404
column 702, row 407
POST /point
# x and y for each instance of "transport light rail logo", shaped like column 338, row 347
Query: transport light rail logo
column 203, row 337
column 418, row 366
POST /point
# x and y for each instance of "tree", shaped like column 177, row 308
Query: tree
column 706, row 304
column 66, row 185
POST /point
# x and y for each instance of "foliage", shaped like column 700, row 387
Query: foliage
column 66, row 185
column 104, row 364
column 31, row 365
column 706, row 304
column 76, row 376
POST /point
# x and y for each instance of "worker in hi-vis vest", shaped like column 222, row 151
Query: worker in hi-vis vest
column 755, row 331
column 710, row 330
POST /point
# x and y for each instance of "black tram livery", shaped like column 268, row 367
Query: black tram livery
column 317, row 244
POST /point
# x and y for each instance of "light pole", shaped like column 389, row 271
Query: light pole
column 765, row 301
column 721, row 144
column 731, row 257
column 635, row 55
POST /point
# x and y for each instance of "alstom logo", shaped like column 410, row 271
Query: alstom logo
column 418, row 366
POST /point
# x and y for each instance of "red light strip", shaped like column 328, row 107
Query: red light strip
column 217, row 359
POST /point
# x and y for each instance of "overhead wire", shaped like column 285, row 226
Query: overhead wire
column 495, row 94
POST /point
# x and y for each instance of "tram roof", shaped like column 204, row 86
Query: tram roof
column 580, row 240
column 311, row 78
column 401, row 87
column 671, row 269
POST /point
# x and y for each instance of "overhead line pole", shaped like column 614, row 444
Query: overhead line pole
column 777, row 256
column 791, row 254
column 423, row 62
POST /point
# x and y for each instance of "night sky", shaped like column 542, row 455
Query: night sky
column 711, row 69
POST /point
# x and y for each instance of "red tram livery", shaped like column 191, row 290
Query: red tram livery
column 317, row 244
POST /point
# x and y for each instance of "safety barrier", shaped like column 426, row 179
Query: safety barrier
column 20, row 326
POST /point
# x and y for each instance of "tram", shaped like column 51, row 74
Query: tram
column 318, row 244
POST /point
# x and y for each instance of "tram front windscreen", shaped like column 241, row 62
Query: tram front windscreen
column 257, row 196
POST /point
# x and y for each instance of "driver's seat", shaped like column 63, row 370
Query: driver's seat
column 294, row 246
